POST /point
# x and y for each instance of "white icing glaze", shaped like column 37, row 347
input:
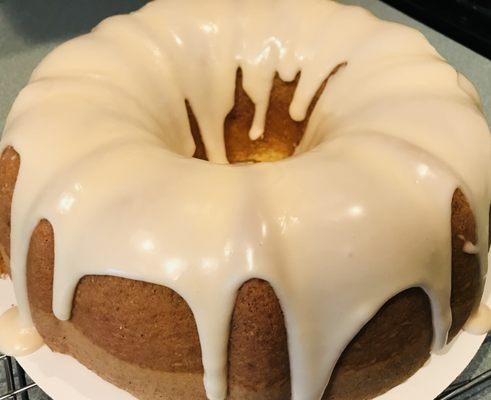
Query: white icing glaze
column 17, row 339
column 480, row 321
column 470, row 248
column 359, row 214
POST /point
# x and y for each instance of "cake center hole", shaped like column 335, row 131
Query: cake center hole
column 281, row 133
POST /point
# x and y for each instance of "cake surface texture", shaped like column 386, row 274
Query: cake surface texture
column 247, row 199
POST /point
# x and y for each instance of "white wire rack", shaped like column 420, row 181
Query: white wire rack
column 18, row 386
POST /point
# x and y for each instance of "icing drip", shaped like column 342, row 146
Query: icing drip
column 105, row 144
column 16, row 337
column 480, row 322
column 468, row 247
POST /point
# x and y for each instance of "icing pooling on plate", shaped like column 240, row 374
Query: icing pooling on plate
column 16, row 339
column 105, row 148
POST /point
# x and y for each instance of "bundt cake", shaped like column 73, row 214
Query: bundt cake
column 246, row 199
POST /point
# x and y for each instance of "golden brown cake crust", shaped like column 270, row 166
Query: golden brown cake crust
column 143, row 338
column 390, row 348
column 9, row 168
column 466, row 276
column 258, row 343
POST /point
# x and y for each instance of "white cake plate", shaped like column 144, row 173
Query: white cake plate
column 62, row 377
